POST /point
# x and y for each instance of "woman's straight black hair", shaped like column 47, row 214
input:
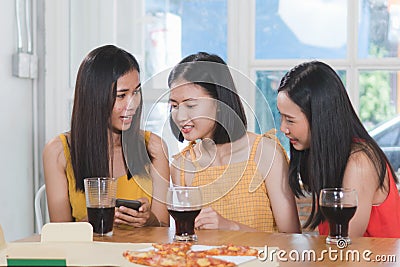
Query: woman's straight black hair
column 91, row 130
column 336, row 132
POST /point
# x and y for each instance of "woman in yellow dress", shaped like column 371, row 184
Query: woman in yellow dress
column 243, row 176
column 105, row 140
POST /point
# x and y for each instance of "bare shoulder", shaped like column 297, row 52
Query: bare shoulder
column 177, row 157
column 54, row 151
column 156, row 145
column 182, row 157
column 250, row 138
column 268, row 142
column 361, row 155
column 361, row 174
column 271, row 147
column 53, row 147
column 361, row 167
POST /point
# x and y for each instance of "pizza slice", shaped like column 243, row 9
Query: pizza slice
column 155, row 258
column 200, row 259
column 232, row 250
column 178, row 248
column 169, row 260
column 140, row 257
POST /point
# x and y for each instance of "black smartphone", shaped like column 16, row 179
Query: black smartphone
column 132, row 204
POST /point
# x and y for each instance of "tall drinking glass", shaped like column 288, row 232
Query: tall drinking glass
column 338, row 205
column 184, row 204
column 100, row 195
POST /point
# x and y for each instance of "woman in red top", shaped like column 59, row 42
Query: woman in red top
column 329, row 147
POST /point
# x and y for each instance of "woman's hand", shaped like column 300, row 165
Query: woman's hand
column 127, row 216
column 210, row 219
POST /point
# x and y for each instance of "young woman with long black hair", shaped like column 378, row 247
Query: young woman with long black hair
column 105, row 140
column 243, row 175
column 329, row 147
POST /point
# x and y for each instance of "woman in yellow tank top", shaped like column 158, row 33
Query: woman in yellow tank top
column 243, row 176
column 105, row 141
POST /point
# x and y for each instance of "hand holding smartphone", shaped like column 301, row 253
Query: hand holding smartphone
column 132, row 204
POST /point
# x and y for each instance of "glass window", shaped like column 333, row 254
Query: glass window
column 389, row 137
column 379, row 96
column 155, row 116
column 267, row 114
column 287, row 29
column 178, row 28
column 379, row 29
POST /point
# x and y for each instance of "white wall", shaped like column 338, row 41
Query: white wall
column 16, row 157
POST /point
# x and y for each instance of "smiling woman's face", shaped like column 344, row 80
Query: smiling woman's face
column 294, row 123
column 193, row 111
column 127, row 100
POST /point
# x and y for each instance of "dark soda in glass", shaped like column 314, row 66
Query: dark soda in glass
column 101, row 219
column 338, row 217
column 184, row 221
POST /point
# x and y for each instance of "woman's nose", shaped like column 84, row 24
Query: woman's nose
column 181, row 114
column 131, row 103
column 284, row 128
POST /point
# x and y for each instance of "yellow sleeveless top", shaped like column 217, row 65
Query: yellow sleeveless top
column 236, row 191
column 134, row 188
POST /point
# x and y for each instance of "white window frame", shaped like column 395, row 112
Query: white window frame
column 241, row 37
column 240, row 55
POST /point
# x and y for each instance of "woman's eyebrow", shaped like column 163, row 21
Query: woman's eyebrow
column 189, row 99
column 287, row 115
column 126, row 89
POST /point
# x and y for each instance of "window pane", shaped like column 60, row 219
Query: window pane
column 178, row 28
column 389, row 138
column 267, row 114
column 155, row 116
column 379, row 29
column 379, row 96
column 288, row 29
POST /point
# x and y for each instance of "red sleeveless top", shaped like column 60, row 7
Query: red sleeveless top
column 384, row 220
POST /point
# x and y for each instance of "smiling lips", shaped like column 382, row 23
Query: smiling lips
column 186, row 129
column 127, row 118
column 293, row 141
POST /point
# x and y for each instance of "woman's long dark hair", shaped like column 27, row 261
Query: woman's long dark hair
column 213, row 75
column 335, row 131
column 91, row 130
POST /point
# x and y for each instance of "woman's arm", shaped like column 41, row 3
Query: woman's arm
column 54, row 165
column 210, row 219
column 160, row 173
column 360, row 174
column 273, row 165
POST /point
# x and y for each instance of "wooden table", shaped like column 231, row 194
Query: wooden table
column 290, row 245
